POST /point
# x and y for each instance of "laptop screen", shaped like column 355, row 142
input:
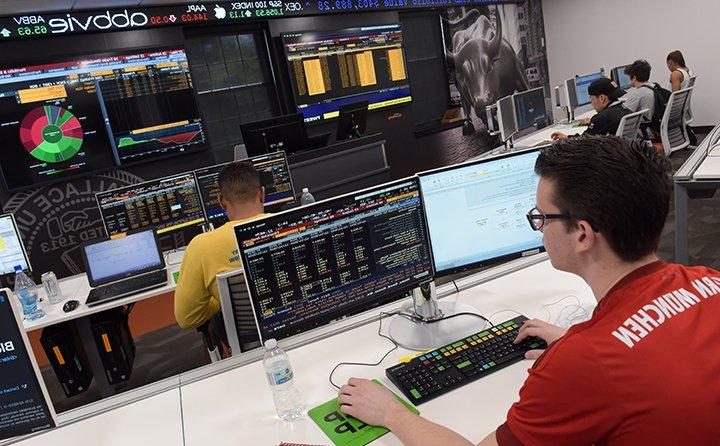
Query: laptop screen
column 122, row 257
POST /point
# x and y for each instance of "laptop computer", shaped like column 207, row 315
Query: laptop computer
column 119, row 267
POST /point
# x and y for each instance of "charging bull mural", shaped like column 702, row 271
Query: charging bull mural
column 484, row 64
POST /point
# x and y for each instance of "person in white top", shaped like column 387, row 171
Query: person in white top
column 680, row 76
column 679, row 72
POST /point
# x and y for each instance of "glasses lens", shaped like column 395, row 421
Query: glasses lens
column 535, row 220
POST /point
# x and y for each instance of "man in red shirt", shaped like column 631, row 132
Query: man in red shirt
column 645, row 369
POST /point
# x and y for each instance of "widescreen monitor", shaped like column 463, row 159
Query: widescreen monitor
column 530, row 108
column 286, row 133
column 12, row 250
column 329, row 69
column 476, row 212
column 621, row 79
column 310, row 266
column 274, row 177
column 581, row 86
column 70, row 117
column 506, row 118
column 166, row 204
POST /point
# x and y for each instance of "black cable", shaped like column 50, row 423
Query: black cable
column 368, row 364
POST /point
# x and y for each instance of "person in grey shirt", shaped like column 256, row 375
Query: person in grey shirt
column 641, row 94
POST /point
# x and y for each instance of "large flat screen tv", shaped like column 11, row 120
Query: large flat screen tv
column 329, row 69
column 71, row 117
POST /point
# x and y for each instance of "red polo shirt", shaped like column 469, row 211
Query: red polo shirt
column 644, row 370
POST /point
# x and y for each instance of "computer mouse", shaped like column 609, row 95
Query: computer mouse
column 70, row 305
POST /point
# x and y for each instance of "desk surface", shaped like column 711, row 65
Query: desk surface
column 236, row 407
column 709, row 169
column 77, row 288
column 542, row 135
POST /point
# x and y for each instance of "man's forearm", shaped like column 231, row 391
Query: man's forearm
column 413, row 430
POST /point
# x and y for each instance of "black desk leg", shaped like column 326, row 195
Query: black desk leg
column 91, row 349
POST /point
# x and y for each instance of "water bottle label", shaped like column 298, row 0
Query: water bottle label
column 281, row 376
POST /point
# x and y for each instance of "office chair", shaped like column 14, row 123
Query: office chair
column 689, row 115
column 242, row 332
column 673, row 130
column 630, row 124
column 210, row 342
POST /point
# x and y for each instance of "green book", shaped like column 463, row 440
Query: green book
column 345, row 430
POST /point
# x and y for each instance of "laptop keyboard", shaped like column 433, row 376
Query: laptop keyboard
column 126, row 287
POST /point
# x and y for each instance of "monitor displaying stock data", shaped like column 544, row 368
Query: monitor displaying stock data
column 308, row 267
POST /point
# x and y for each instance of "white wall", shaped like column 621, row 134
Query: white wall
column 583, row 35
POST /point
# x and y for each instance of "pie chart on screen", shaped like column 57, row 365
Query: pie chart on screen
column 51, row 134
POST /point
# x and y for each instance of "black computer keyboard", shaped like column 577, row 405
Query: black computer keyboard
column 437, row 372
column 125, row 287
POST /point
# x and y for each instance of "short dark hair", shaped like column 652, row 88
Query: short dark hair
column 677, row 57
column 239, row 181
column 640, row 70
column 620, row 187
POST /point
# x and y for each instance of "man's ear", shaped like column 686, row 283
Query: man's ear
column 261, row 194
column 586, row 237
column 223, row 203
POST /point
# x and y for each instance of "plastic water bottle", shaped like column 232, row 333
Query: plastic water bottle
column 306, row 197
column 286, row 396
column 26, row 291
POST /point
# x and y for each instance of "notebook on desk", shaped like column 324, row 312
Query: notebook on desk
column 122, row 266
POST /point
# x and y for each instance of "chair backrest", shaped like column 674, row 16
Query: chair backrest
column 673, row 133
column 689, row 114
column 630, row 124
column 237, row 311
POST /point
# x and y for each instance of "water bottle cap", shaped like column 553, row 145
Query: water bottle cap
column 306, row 190
column 270, row 344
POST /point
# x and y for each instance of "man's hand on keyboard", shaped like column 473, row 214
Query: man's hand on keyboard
column 535, row 327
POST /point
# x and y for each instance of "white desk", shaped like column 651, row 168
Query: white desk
column 236, row 407
column 156, row 420
column 544, row 134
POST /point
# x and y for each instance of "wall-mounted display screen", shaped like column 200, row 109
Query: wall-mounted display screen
column 329, row 69
column 64, row 119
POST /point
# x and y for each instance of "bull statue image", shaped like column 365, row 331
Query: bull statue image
column 485, row 65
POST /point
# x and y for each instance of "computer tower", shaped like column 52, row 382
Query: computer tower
column 115, row 344
column 67, row 356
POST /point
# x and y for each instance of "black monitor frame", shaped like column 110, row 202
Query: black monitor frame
column 517, row 109
column 277, row 219
column 615, row 76
column 251, row 159
column 487, row 262
column 255, row 134
column 132, row 186
column 352, row 120
column 96, row 283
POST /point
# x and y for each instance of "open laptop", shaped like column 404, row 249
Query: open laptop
column 122, row 266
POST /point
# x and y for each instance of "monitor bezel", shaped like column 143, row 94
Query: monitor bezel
column 131, row 186
column 527, row 92
column 117, row 164
column 486, row 262
column 22, row 244
column 248, row 159
column 388, row 298
column 96, row 283
column 601, row 72
column 336, row 116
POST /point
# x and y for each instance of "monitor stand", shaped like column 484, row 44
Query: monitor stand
column 428, row 330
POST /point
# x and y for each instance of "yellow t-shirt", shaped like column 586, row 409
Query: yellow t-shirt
column 207, row 255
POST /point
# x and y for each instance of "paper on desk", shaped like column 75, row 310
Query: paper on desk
column 345, row 430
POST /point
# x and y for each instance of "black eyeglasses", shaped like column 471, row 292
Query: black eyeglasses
column 537, row 218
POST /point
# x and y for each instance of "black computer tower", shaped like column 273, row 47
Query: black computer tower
column 67, row 356
column 115, row 344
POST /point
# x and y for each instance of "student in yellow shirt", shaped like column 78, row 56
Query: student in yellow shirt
column 196, row 295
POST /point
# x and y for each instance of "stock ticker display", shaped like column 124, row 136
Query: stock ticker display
column 274, row 177
column 65, row 119
column 167, row 204
column 53, row 24
column 331, row 68
column 319, row 263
